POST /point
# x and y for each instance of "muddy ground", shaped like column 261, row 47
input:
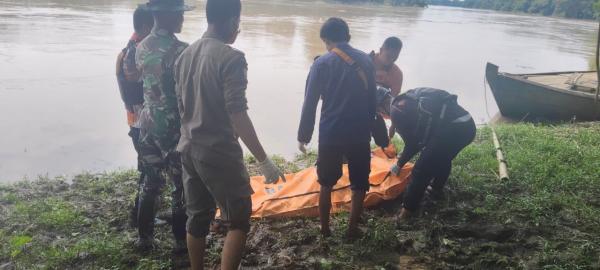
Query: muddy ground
column 448, row 235
column 481, row 223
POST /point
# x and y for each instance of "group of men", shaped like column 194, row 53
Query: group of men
column 187, row 108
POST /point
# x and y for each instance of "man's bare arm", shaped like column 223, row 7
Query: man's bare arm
column 245, row 129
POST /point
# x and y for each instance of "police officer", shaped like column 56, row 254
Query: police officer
column 429, row 121
column 159, row 120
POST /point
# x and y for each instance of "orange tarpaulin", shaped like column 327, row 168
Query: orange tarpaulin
column 299, row 196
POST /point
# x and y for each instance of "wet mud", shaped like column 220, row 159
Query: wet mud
column 448, row 233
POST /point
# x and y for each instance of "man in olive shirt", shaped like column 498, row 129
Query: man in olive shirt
column 211, row 85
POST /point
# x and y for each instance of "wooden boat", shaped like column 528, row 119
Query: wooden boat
column 557, row 96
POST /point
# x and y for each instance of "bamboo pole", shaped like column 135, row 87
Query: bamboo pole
column 502, row 168
column 598, row 64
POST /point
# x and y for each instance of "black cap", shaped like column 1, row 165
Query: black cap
column 166, row 5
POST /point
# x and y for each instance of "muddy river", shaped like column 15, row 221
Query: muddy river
column 60, row 110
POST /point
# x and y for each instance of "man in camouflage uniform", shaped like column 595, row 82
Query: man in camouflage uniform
column 159, row 120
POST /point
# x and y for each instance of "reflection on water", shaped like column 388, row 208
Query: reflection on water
column 61, row 111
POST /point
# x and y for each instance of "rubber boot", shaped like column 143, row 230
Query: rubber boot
column 146, row 213
column 133, row 213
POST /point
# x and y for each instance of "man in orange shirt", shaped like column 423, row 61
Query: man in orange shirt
column 387, row 73
column 130, row 87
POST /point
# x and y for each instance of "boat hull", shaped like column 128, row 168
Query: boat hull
column 529, row 101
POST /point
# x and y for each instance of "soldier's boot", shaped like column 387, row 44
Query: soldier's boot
column 178, row 227
column 146, row 213
column 144, row 244
column 133, row 213
column 179, row 217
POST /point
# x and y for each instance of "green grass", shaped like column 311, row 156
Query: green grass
column 553, row 170
column 50, row 214
column 547, row 216
column 553, row 187
column 17, row 243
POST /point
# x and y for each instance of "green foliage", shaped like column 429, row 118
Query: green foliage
column 557, row 172
column 153, row 264
column 380, row 234
column 282, row 163
column 106, row 250
column 417, row 3
column 554, row 177
column 378, row 241
column 51, row 214
column 8, row 197
column 326, row 264
column 70, row 225
column 578, row 9
column 17, row 243
column 306, row 160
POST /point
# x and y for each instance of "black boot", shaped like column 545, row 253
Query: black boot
column 146, row 213
column 133, row 213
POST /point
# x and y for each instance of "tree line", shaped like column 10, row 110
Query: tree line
column 577, row 9
column 418, row 3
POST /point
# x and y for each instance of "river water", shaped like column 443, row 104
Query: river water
column 60, row 111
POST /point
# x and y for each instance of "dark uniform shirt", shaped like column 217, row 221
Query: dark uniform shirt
column 348, row 109
column 415, row 128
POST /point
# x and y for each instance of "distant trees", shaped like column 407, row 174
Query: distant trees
column 418, row 3
column 578, row 9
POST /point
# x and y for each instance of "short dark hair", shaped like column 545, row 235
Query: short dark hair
column 335, row 30
column 142, row 17
column 219, row 11
column 393, row 43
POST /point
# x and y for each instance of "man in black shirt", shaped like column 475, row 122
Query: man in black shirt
column 429, row 121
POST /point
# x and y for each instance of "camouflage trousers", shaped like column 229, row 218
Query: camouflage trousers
column 134, row 133
column 159, row 161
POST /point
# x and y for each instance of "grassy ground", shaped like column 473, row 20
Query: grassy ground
column 547, row 216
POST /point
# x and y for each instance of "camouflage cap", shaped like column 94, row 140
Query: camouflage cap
column 166, row 5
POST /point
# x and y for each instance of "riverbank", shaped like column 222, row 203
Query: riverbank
column 546, row 216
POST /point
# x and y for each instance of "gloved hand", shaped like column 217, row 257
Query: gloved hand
column 270, row 171
column 302, row 147
column 395, row 169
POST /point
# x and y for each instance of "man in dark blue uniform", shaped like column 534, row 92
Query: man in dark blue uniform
column 344, row 79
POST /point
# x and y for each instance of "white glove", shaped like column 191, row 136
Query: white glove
column 302, row 147
column 270, row 171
